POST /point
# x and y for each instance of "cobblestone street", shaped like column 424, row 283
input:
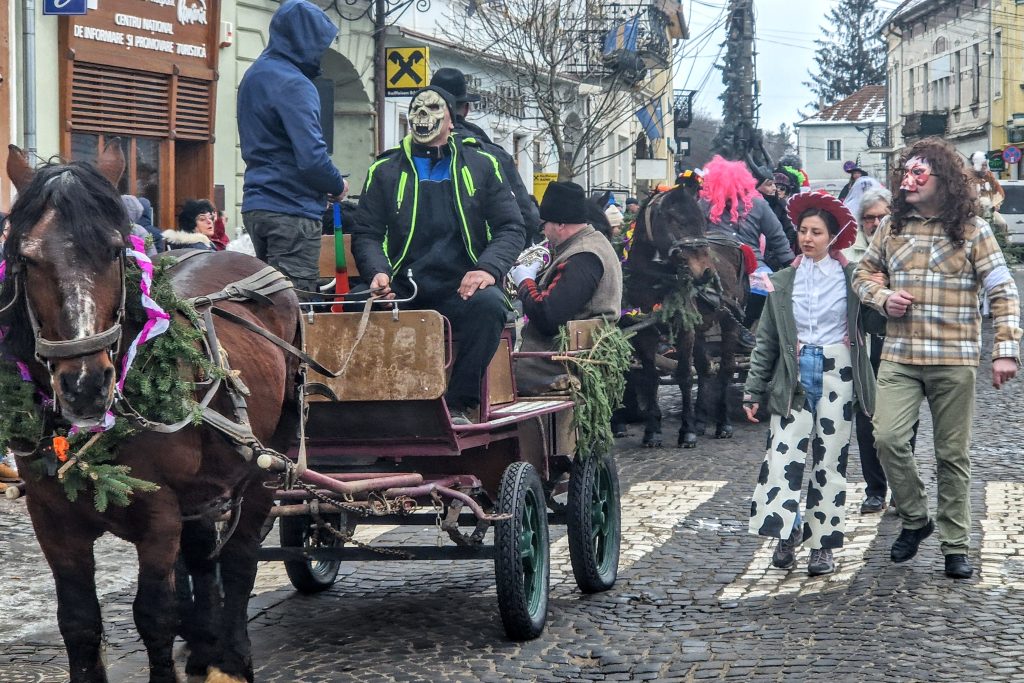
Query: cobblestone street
column 695, row 598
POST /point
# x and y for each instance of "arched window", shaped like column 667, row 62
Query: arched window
column 940, row 45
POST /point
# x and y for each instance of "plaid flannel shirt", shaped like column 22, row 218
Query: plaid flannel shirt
column 943, row 325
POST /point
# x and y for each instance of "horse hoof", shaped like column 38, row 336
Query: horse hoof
column 688, row 440
column 724, row 432
column 619, row 432
column 652, row 441
column 699, row 429
column 215, row 675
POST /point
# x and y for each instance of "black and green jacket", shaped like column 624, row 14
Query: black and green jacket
column 490, row 223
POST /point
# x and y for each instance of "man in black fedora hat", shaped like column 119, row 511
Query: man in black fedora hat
column 454, row 81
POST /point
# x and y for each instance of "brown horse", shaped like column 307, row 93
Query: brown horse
column 64, row 261
column 670, row 248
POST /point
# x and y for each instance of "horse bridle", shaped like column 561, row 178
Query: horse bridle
column 109, row 339
column 677, row 245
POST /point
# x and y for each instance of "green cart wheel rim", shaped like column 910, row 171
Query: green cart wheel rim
column 603, row 517
column 532, row 551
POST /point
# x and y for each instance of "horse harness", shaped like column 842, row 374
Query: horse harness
column 677, row 245
column 258, row 288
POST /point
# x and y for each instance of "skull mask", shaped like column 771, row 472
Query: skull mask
column 427, row 116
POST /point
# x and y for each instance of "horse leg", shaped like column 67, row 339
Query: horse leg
column 238, row 574
column 68, row 549
column 726, row 370
column 198, row 596
column 684, row 378
column 647, row 347
column 154, row 608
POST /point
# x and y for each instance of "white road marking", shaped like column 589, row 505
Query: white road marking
column 651, row 513
column 761, row 579
column 1002, row 541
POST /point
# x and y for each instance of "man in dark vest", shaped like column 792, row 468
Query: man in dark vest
column 583, row 281
column 454, row 81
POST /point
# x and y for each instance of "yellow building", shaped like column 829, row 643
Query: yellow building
column 1008, row 86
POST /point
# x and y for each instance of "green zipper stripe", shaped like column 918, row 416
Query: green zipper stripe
column 401, row 187
column 407, row 148
column 467, row 178
column 458, row 202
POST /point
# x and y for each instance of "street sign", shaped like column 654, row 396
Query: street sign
column 65, row 7
column 1011, row 154
column 406, row 70
column 995, row 160
column 540, row 183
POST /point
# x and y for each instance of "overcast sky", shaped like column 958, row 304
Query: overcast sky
column 786, row 31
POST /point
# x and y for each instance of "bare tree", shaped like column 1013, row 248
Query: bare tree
column 780, row 143
column 551, row 58
column 701, row 132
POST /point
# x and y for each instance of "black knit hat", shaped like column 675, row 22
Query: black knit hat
column 454, row 81
column 564, row 202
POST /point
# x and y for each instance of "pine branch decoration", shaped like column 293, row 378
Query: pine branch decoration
column 599, row 382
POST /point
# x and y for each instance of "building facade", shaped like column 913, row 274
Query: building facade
column 840, row 133
column 945, row 66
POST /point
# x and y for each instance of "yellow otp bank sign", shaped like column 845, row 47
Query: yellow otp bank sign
column 406, row 70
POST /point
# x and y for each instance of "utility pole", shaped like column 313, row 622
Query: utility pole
column 739, row 137
column 380, row 17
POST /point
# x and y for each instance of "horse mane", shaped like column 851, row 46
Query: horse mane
column 87, row 208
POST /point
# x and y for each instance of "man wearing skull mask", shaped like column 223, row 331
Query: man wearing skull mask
column 924, row 269
column 439, row 205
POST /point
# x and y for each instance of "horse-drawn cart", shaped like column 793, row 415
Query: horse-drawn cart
column 378, row 446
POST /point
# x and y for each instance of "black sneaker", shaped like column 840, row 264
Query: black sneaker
column 906, row 545
column 872, row 504
column 957, row 567
column 784, row 556
column 821, row 562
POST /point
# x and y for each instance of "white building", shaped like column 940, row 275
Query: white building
column 840, row 133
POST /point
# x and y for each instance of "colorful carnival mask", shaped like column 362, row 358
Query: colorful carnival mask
column 917, row 175
column 426, row 116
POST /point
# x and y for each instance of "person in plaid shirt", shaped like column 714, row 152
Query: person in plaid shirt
column 924, row 270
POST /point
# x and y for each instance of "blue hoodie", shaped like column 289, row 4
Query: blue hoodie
column 287, row 168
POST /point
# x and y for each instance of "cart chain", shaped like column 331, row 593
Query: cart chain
column 402, row 505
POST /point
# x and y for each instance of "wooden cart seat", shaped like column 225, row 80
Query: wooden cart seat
column 396, row 360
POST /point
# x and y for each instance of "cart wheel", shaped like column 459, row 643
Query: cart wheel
column 594, row 523
column 310, row 576
column 522, row 562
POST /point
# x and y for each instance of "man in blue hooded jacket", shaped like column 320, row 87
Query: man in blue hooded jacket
column 288, row 173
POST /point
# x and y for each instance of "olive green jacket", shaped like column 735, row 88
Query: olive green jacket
column 773, row 379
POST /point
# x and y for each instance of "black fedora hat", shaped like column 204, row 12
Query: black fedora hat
column 454, row 81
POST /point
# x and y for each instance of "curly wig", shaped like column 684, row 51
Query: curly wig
column 957, row 205
column 727, row 185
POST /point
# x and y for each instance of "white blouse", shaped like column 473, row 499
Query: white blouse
column 819, row 302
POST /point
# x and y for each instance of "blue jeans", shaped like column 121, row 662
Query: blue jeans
column 811, row 366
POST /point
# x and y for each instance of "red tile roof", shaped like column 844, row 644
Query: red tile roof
column 867, row 104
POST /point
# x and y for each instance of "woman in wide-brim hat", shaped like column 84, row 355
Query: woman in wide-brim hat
column 810, row 369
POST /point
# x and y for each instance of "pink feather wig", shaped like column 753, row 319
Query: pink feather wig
column 727, row 185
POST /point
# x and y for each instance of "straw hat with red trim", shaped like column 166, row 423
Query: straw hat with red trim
column 823, row 200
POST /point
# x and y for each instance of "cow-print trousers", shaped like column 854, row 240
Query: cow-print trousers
column 825, row 422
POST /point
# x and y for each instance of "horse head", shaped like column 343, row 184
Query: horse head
column 674, row 224
column 65, row 264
